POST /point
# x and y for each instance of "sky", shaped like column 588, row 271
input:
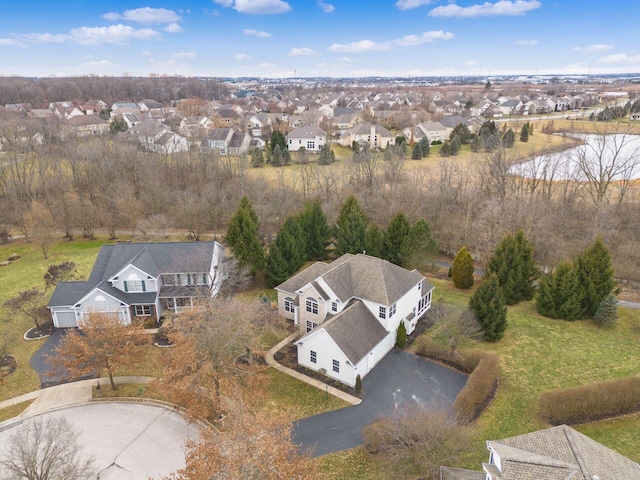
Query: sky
column 318, row 38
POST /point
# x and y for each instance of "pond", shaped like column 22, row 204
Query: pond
column 617, row 156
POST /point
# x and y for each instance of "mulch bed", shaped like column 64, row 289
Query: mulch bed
column 45, row 330
column 8, row 365
column 288, row 357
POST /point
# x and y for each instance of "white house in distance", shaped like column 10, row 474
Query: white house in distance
column 140, row 280
column 349, row 312
column 311, row 138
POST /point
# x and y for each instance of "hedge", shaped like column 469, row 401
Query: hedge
column 483, row 367
column 591, row 402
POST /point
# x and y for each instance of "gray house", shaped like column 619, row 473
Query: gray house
column 140, row 280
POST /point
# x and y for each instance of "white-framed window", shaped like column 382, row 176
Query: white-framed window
column 311, row 145
column 313, row 356
column 382, row 312
column 312, row 305
column 392, row 310
column 336, row 366
column 135, row 286
column 289, row 305
column 142, row 310
column 334, row 306
column 311, row 325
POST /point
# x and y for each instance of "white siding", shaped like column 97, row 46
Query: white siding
column 326, row 351
column 375, row 355
column 98, row 301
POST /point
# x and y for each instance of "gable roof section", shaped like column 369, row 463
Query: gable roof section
column 310, row 274
column 355, row 331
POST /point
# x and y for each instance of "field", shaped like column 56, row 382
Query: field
column 537, row 354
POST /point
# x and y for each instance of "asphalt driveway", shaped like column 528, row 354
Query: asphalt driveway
column 48, row 374
column 400, row 381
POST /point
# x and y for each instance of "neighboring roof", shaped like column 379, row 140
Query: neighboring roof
column 453, row 121
column 151, row 258
column 365, row 129
column 309, row 131
column 355, row 330
column 309, row 274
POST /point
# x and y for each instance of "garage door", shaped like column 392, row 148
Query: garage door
column 65, row 319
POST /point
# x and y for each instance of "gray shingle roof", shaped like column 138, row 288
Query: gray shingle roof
column 355, row 331
column 151, row 258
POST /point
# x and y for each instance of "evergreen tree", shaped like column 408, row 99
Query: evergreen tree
column 416, row 153
column 445, row 149
column 350, row 227
column 462, row 269
column 524, row 134
column 596, row 276
column 462, row 133
column 318, row 233
column 509, row 138
column 560, row 294
column 529, row 271
column 277, row 139
column 277, row 267
column 454, row 148
column 257, row 158
column 489, row 306
column 395, row 237
column 374, row 241
column 242, row 237
column 424, row 146
column 401, row 336
column 292, row 240
column 286, row 156
column 419, row 248
column 607, row 312
column 326, row 157
column 276, row 156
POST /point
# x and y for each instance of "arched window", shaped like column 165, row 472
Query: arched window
column 312, row 305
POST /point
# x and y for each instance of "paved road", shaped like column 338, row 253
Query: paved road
column 400, row 381
column 129, row 441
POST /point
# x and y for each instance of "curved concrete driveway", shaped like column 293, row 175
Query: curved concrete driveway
column 129, row 441
column 400, row 381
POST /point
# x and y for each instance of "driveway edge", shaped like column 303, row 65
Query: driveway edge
column 304, row 378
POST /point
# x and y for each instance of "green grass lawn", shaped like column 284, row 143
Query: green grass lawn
column 23, row 274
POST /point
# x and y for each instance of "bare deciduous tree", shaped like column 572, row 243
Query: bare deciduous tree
column 45, row 450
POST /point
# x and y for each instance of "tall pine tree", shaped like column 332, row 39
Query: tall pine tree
column 560, row 294
column 242, row 237
column 596, row 276
column 419, row 248
column 489, row 306
column 350, row 227
column 374, row 241
column 395, row 237
column 318, row 233
column 277, row 267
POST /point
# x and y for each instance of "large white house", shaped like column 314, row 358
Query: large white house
column 311, row 138
column 349, row 312
column 140, row 280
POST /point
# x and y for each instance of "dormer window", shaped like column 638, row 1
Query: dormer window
column 135, row 286
column 382, row 312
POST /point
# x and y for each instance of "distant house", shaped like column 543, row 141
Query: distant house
column 195, row 125
column 376, row 136
column 84, row 125
column 557, row 453
column 141, row 280
column 156, row 137
column 349, row 311
column 434, row 131
column 226, row 141
column 311, row 138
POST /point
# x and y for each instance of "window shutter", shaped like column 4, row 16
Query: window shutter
column 126, row 288
column 144, row 286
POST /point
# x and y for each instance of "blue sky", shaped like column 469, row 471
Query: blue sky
column 305, row 38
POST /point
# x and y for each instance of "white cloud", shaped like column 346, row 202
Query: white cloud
column 502, row 7
column 10, row 42
column 406, row 41
column 97, row 64
column 256, row 7
column 620, row 58
column 321, row 65
column 597, row 47
column 409, row 4
column 173, row 28
column 345, row 60
column 326, row 7
column 426, row 37
column 183, row 55
column 266, row 65
column 472, row 63
column 525, row 43
column 256, row 33
column 242, row 56
column 145, row 15
column 301, row 52
column 115, row 34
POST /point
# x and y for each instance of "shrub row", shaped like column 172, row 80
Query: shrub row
column 483, row 367
column 591, row 402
